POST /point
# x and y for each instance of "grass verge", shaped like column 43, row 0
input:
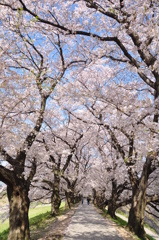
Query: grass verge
column 39, row 217
column 119, row 221
column 122, row 223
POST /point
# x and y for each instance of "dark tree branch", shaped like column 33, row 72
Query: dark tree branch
column 152, row 213
column 124, row 202
column 7, row 176
column 6, row 156
column 154, row 198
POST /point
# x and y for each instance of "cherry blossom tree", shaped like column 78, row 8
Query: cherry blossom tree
column 60, row 169
column 77, row 172
column 60, row 164
column 119, row 189
column 15, row 153
column 108, row 37
column 126, row 32
column 130, row 156
column 28, row 78
column 127, row 118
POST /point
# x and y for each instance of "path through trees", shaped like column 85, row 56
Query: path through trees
column 88, row 224
column 79, row 106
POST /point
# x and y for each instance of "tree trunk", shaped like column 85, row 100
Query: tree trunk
column 77, row 198
column 55, row 204
column 70, row 195
column 55, row 198
column 136, row 214
column 68, row 200
column 94, row 196
column 100, row 200
column 112, row 205
column 111, row 209
column 156, row 97
column 18, row 214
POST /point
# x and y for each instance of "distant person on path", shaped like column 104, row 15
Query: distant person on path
column 82, row 201
column 88, row 200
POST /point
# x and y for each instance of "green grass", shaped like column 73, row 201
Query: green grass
column 126, row 215
column 150, row 238
column 4, row 226
column 38, row 210
column 118, row 220
column 38, row 218
column 4, row 234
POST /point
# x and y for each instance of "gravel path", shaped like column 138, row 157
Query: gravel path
column 87, row 224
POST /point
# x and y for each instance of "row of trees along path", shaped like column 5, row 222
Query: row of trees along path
column 79, row 96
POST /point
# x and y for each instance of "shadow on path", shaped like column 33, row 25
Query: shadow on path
column 88, row 224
